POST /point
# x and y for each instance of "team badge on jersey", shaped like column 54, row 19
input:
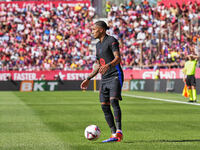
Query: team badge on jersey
column 102, row 61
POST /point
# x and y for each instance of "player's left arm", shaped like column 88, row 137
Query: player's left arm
column 116, row 60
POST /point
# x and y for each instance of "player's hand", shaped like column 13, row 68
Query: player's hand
column 84, row 84
column 103, row 69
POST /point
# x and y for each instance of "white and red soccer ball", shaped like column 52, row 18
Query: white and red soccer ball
column 92, row 132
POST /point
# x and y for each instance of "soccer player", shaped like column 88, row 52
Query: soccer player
column 108, row 60
column 189, row 71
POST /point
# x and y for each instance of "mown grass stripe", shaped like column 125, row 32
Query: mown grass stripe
column 22, row 138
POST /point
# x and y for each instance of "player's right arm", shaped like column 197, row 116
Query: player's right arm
column 95, row 71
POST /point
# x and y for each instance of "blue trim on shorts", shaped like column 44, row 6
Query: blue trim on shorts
column 119, row 75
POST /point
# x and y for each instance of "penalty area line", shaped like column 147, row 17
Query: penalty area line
column 160, row 99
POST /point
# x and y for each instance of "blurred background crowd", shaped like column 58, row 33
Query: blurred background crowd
column 59, row 38
column 155, row 35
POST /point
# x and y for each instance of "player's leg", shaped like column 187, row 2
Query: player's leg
column 117, row 136
column 190, row 93
column 118, row 120
column 109, row 116
column 115, row 96
column 110, row 120
column 117, row 113
column 105, row 105
column 194, row 93
column 193, row 88
column 188, row 82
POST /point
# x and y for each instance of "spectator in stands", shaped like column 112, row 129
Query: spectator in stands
column 108, row 6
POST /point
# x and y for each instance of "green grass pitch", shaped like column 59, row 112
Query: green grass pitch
column 57, row 120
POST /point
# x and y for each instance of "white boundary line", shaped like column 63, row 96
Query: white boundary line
column 160, row 99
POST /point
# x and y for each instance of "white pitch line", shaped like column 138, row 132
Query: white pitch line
column 160, row 99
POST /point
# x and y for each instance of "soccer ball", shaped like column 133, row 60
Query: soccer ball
column 92, row 132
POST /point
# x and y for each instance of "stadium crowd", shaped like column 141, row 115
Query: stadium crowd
column 59, row 38
column 158, row 35
column 38, row 38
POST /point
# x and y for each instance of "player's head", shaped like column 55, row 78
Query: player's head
column 99, row 29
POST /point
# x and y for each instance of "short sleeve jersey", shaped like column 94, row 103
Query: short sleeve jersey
column 104, row 53
column 190, row 67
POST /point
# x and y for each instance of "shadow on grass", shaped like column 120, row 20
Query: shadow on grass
column 162, row 141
